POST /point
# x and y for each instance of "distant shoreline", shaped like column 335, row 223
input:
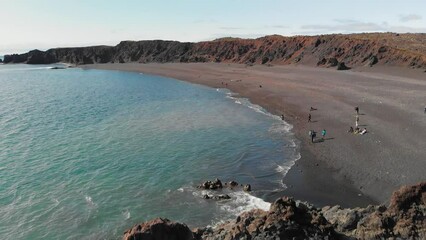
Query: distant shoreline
column 347, row 170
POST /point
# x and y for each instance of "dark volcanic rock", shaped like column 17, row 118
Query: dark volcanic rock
column 232, row 184
column 15, row 58
column 39, row 57
column 159, row 229
column 217, row 197
column 284, row 220
column 404, row 218
column 216, row 184
column 372, row 61
column 332, row 62
column 342, row 66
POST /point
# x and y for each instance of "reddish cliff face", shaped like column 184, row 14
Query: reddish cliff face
column 327, row 50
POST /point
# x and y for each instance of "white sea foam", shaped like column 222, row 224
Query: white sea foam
column 281, row 128
column 89, row 200
column 126, row 214
column 24, row 69
column 241, row 202
column 284, row 168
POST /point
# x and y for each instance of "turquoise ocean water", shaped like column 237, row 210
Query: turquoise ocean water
column 86, row 154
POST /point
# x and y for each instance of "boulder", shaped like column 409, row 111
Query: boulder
column 322, row 62
column 159, row 229
column 232, row 184
column 217, row 197
column 407, row 196
column 342, row 66
column 382, row 49
column 372, row 60
column 213, row 185
column 332, row 62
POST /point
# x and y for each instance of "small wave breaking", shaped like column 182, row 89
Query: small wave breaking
column 280, row 128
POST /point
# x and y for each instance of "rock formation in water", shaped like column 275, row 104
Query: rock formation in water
column 404, row 218
column 367, row 49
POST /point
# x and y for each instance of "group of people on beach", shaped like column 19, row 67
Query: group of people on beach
column 357, row 130
column 312, row 133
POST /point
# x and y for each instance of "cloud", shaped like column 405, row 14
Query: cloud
column 345, row 21
column 202, row 21
column 231, row 28
column 255, row 27
column 409, row 17
column 351, row 26
column 276, row 26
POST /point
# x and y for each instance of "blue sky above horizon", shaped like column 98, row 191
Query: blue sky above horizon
column 43, row 24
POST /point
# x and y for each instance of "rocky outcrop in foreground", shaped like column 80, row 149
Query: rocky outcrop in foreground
column 404, row 218
column 335, row 50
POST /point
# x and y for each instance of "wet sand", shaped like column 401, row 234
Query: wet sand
column 346, row 169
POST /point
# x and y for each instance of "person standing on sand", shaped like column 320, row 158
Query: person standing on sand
column 282, row 117
column 309, row 117
column 311, row 133
column 357, row 110
column 323, row 133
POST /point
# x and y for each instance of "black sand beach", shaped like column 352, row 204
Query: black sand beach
column 346, row 169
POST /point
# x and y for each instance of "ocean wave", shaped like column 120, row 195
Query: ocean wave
column 239, row 202
column 281, row 128
column 284, row 168
column 285, row 126
column 126, row 214
column 24, row 69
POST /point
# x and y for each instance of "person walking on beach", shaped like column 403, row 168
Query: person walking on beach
column 309, row 117
column 323, row 133
column 357, row 110
column 312, row 134
column 282, row 117
column 356, row 121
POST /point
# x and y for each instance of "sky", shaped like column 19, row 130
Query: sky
column 44, row 24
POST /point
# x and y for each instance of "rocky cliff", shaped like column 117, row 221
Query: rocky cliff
column 349, row 50
column 403, row 218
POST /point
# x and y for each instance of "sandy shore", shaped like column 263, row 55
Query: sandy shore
column 346, row 169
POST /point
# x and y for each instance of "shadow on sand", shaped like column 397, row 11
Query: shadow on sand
column 320, row 140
